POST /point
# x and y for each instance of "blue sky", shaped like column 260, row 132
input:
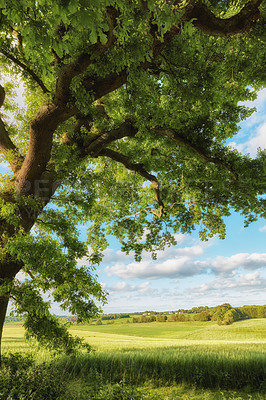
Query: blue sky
column 195, row 273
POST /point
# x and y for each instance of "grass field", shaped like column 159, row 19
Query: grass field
column 168, row 360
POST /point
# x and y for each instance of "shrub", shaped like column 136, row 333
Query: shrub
column 203, row 316
column 161, row 318
column 22, row 379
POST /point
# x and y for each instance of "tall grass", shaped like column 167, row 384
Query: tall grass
column 175, row 366
column 177, row 361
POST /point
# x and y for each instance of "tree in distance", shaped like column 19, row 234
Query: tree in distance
column 128, row 107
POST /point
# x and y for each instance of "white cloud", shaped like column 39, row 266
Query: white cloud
column 111, row 256
column 241, row 260
column 238, row 146
column 187, row 265
column 83, row 261
column 173, row 262
column 253, row 132
column 21, row 276
column 123, row 287
column 257, row 141
column 250, row 282
column 263, row 229
column 257, row 103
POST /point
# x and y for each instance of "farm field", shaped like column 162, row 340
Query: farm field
column 167, row 333
column 171, row 360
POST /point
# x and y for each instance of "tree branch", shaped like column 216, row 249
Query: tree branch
column 69, row 71
column 7, row 147
column 139, row 168
column 26, row 69
column 206, row 21
column 203, row 19
column 176, row 137
column 102, row 86
column 98, row 143
column 38, row 155
column 9, row 150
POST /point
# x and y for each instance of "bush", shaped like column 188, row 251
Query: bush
column 161, row 318
column 203, row 316
column 182, row 317
column 22, row 379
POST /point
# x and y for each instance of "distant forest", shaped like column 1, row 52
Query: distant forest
column 224, row 314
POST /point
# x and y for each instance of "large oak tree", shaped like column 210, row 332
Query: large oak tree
column 129, row 105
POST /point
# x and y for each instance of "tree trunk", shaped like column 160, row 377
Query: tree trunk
column 8, row 271
column 3, row 308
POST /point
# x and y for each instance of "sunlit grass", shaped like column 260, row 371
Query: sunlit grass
column 14, row 341
column 186, row 361
column 249, row 334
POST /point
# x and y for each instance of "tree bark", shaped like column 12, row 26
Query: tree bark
column 8, row 271
column 4, row 299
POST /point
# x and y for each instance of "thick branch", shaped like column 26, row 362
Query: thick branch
column 68, row 72
column 8, row 148
column 203, row 19
column 102, row 86
column 176, row 137
column 26, row 69
column 139, row 168
column 207, row 22
column 98, row 143
column 42, row 129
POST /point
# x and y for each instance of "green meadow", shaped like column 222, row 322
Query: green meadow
column 168, row 360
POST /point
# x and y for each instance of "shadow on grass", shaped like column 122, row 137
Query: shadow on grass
column 163, row 368
column 11, row 339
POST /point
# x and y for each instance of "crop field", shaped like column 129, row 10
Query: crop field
column 172, row 333
column 168, row 360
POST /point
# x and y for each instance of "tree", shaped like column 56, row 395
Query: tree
column 203, row 316
column 221, row 312
column 118, row 94
column 161, row 318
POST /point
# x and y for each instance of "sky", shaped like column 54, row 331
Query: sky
column 194, row 273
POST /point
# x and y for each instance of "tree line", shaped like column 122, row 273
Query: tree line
column 224, row 314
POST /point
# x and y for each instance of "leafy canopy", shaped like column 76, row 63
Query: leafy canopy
column 129, row 106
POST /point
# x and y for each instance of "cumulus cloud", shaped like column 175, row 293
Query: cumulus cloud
column 187, row 265
column 122, row 287
column 21, row 276
column 257, row 141
column 253, row 133
column 173, row 262
column 250, row 282
column 244, row 260
column 263, row 229
column 258, row 103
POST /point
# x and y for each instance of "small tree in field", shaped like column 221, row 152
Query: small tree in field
column 118, row 94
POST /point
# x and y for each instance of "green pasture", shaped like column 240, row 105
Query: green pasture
column 246, row 334
column 168, row 360
column 251, row 331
